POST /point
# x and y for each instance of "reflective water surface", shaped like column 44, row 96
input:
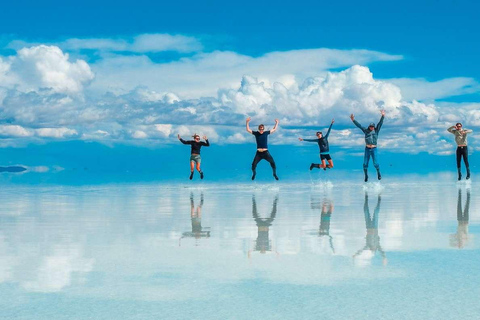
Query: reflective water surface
column 396, row 250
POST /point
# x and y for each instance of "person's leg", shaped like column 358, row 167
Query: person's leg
column 459, row 159
column 269, row 158
column 256, row 160
column 375, row 162
column 366, row 159
column 315, row 165
column 323, row 165
column 330, row 164
column 192, row 166
column 465, row 160
column 198, row 168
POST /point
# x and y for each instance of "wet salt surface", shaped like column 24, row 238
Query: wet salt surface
column 347, row 250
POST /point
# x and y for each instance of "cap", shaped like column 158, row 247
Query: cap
column 371, row 124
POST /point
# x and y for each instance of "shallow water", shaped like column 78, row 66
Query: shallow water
column 402, row 249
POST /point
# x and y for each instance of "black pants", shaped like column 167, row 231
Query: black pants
column 263, row 156
column 462, row 151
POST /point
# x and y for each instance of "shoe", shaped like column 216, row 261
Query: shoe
column 366, row 178
column 253, row 176
column 275, row 176
column 201, row 175
column 191, row 176
column 459, row 176
column 312, row 166
column 379, row 176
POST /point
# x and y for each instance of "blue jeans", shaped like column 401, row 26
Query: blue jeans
column 370, row 152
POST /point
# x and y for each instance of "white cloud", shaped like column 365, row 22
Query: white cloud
column 421, row 89
column 44, row 67
column 148, row 42
column 56, row 132
column 14, row 131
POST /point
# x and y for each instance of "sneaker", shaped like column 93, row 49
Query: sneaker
column 379, row 176
column 312, row 166
column 275, row 176
column 366, row 177
column 191, row 175
column 253, row 176
column 201, row 175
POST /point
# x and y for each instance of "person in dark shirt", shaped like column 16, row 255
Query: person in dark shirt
column 195, row 152
column 371, row 137
column 262, row 149
column 263, row 244
column 324, row 149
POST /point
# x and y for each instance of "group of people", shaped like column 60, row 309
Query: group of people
column 371, row 137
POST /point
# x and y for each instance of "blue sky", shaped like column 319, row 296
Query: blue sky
column 117, row 74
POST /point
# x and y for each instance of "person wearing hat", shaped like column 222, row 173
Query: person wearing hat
column 371, row 136
column 195, row 152
column 324, row 149
column 462, row 149
column 261, row 137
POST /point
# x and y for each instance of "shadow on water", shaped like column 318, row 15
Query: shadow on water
column 372, row 240
column 262, row 244
column 13, row 169
column 461, row 238
column 198, row 231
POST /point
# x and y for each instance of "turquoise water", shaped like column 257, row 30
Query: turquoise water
column 402, row 249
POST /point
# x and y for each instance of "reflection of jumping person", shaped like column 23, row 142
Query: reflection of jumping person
column 263, row 224
column 324, row 149
column 460, row 239
column 195, row 153
column 371, row 136
column 324, row 229
column 462, row 149
column 196, row 216
column 262, row 149
column 372, row 238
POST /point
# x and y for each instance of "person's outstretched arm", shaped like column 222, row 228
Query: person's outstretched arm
column 308, row 140
column 248, row 126
column 329, row 129
column 206, row 143
column 357, row 124
column 380, row 123
column 468, row 130
column 274, row 127
column 181, row 140
column 452, row 129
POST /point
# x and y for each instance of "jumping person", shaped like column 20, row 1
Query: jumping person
column 262, row 149
column 371, row 136
column 195, row 153
column 462, row 149
column 324, row 149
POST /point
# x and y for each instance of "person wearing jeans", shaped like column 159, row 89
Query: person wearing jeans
column 371, row 137
column 462, row 149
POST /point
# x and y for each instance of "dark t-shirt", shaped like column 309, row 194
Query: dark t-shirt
column 196, row 145
column 262, row 139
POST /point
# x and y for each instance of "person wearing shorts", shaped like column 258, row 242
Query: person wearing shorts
column 324, row 149
column 195, row 159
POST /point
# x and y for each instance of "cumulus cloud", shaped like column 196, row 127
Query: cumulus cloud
column 34, row 68
column 45, row 94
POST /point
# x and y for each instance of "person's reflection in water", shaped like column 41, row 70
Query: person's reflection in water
column 262, row 244
column 327, row 209
column 372, row 245
column 461, row 238
column 196, row 215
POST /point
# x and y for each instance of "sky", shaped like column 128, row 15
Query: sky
column 119, row 74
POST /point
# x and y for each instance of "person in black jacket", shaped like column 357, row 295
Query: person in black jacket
column 195, row 152
column 324, row 149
